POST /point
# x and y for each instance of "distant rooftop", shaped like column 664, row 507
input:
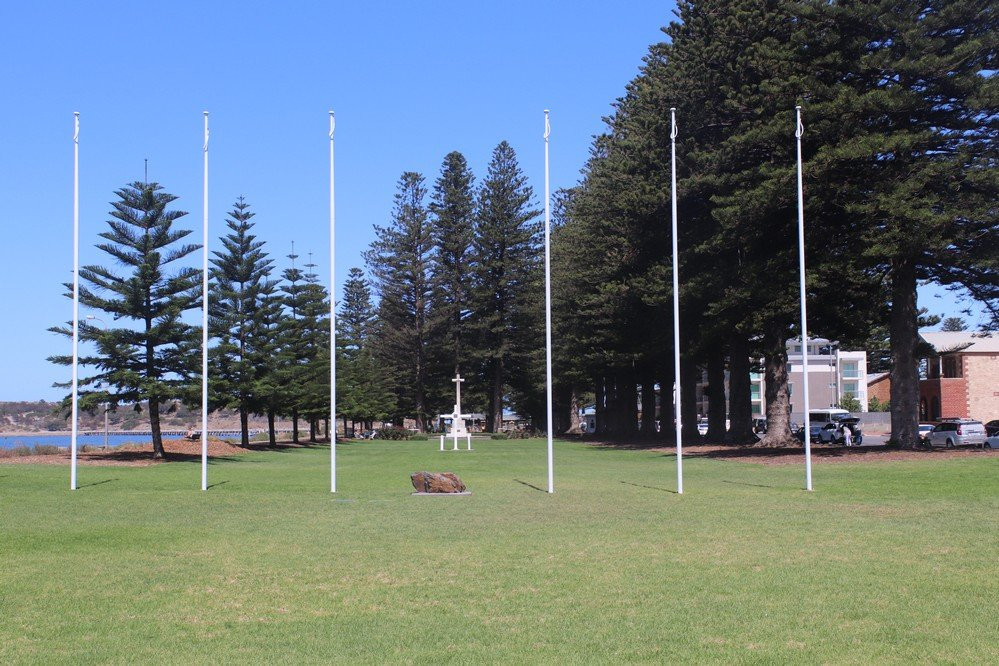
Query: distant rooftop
column 952, row 341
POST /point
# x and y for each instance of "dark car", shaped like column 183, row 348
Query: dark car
column 992, row 428
column 816, row 437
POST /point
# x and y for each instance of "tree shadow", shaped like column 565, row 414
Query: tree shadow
column 639, row 485
column 531, row 485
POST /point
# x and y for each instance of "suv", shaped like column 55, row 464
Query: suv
column 958, row 432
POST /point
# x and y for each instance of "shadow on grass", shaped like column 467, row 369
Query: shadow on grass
column 216, row 484
column 531, row 485
column 639, row 485
column 741, row 483
column 95, row 483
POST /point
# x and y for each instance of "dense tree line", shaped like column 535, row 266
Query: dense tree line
column 901, row 112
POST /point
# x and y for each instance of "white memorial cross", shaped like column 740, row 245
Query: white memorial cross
column 457, row 418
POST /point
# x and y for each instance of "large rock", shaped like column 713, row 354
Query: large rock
column 433, row 482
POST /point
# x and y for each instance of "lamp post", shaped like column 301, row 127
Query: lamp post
column 105, row 325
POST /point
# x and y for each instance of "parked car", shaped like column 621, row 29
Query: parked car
column 816, row 437
column 924, row 432
column 702, row 427
column 992, row 427
column 958, row 432
column 992, row 441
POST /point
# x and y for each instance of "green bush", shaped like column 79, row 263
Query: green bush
column 419, row 437
column 393, row 433
column 15, row 451
column 47, row 450
column 498, row 435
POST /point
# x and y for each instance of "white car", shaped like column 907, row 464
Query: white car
column 959, row 432
column 702, row 427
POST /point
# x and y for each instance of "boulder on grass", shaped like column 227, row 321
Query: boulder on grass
column 437, row 482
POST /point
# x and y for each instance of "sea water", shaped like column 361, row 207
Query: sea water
column 114, row 439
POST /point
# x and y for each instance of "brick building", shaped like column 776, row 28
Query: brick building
column 879, row 386
column 961, row 376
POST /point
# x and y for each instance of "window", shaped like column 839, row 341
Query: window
column 951, row 366
column 757, row 409
column 797, row 349
column 850, row 387
column 754, row 391
column 850, row 370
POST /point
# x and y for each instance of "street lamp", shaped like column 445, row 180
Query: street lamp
column 106, row 406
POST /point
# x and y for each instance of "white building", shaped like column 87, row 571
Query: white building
column 832, row 373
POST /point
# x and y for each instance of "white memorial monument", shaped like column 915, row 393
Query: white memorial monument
column 458, row 429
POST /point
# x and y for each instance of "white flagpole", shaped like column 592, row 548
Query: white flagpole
column 204, row 323
column 332, row 318
column 799, row 131
column 676, row 310
column 76, row 291
column 548, row 311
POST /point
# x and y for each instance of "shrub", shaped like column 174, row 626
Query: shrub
column 47, row 450
column 15, row 451
column 419, row 437
column 394, row 433
column 498, row 435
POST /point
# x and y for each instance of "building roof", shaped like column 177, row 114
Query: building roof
column 876, row 377
column 944, row 342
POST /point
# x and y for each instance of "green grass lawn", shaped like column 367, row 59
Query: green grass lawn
column 885, row 562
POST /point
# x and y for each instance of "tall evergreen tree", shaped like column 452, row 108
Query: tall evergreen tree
column 452, row 207
column 293, row 344
column 364, row 392
column 242, row 316
column 400, row 261
column 154, row 359
column 314, row 376
column 507, row 294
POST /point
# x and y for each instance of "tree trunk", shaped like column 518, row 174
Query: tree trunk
column 648, row 404
column 629, row 402
column 717, row 405
column 904, row 334
column 777, row 398
column 496, row 399
column 271, row 435
column 312, row 430
column 294, row 425
column 600, row 409
column 740, row 405
column 574, row 406
column 667, row 408
column 688, row 400
column 244, row 427
column 154, row 426
column 326, row 422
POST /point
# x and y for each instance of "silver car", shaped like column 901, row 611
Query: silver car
column 963, row 432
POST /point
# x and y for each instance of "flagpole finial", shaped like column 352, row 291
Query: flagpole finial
column 76, row 127
column 799, row 130
column 548, row 127
column 205, row 148
column 332, row 123
column 672, row 122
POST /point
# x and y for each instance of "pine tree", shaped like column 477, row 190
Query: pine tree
column 314, row 375
column 508, row 296
column 154, row 359
column 363, row 387
column 293, row 352
column 399, row 261
column 452, row 208
column 241, row 319
column 954, row 324
column 923, row 147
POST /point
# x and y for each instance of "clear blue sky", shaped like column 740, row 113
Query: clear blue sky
column 409, row 82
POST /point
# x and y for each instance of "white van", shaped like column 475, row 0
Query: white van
column 823, row 416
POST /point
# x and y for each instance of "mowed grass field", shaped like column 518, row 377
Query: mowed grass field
column 884, row 562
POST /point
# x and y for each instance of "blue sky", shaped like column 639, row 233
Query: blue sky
column 409, row 82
